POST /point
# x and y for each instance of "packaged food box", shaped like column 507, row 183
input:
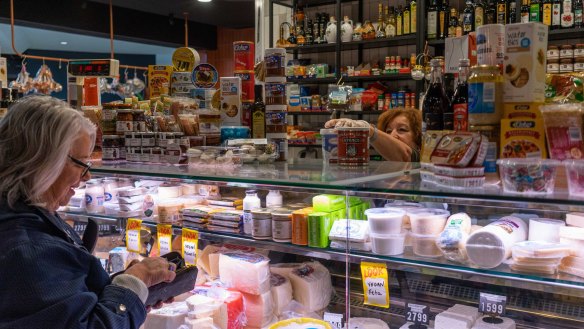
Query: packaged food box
column 429, row 142
column 521, row 110
column 230, row 88
column 456, row 149
column 522, row 138
column 525, row 62
column 159, row 77
column 563, row 127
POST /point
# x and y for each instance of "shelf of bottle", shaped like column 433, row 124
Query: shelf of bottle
column 402, row 40
column 308, row 81
column 310, row 3
column 314, row 48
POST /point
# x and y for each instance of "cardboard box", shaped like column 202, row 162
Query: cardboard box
column 230, row 88
column 458, row 48
column 3, row 73
column 521, row 110
column 525, row 62
column 159, row 79
column 523, row 138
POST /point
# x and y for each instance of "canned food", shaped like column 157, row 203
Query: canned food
column 247, row 85
column 243, row 55
column 275, row 93
column 275, row 60
column 353, row 146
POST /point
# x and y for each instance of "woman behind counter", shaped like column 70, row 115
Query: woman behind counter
column 398, row 134
column 48, row 279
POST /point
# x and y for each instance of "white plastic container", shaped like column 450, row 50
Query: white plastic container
column 425, row 245
column 489, row 246
column 574, row 237
column 274, row 199
column 250, row 202
column 388, row 244
column 545, row 229
column 575, row 177
column 427, row 221
column 94, row 196
column 385, row 220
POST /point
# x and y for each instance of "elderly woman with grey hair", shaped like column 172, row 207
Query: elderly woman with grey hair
column 48, row 279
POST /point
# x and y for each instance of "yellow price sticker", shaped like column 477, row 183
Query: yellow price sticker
column 190, row 242
column 375, row 284
column 133, row 234
column 164, row 235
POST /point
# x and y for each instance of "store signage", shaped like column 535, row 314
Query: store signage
column 164, row 234
column 335, row 319
column 375, row 284
column 133, row 234
column 190, row 242
column 492, row 304
column 418, row 314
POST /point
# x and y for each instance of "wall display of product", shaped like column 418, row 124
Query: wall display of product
column 283, row 255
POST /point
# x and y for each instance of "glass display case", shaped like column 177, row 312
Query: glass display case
column 435, row 244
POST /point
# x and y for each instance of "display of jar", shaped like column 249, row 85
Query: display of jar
column 579, row 64
column 139, row 120
column 124, row 121
column 553, row 66
column 553, row 52
column 566, row 65
column 485, row 95
column 579, row 51
column 566, row 51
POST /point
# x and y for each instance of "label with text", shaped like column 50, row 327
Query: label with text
column 133, row 234
column 164, row 234
column 418, row 314
column 492, row 304
column 190, row 242
column 375, row 284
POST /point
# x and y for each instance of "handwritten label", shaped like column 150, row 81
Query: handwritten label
column 190, row 242
column 418, row 314
column 133, row 234
column 375, row 284
column 492, row 304
column 335, row 319
column 164, row 234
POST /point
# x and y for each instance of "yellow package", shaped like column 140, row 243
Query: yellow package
column 429, row 142
column 521, row 110
column 523, row 138
column 375, row 284
column 159, row 79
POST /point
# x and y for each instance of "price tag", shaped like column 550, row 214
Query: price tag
column 133, row 234
column 492, row 304
column 375, row 284
column 190, row 242
column 164, row 234
column 335, row 319
column 418, row 314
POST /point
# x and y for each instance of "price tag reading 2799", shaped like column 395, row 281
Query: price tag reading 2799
column 418, row 314
column 492, row 304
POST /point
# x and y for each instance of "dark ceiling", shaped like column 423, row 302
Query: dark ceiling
column 222, row 13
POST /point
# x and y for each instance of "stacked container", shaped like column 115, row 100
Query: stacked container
column 275, row 100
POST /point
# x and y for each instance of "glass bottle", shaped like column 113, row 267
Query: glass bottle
column 309, row 38
column 546, row 12
column 468, row 18
column 380, row 30
column 567, row 15
column 453, row 23
column 258, row 115
column 535, row 11
column 512, row 13
column 406, row 18
column 391, row 27
column 413, row 16
column 459, row 31
column 578, row 13
column 479, row 14
column 436, row 102
column 443, row 20
column 556, row 14
column 491, row 12
column 432, row 20
column 459, row 107
column 525, row 11
column 399, row 21
column 502, row 11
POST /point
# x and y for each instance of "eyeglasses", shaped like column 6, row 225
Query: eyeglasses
column 80, row 163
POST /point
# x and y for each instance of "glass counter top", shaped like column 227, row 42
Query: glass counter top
column 380, row 177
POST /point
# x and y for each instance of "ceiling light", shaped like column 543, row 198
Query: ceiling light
column 204, row 0
column 64, row 42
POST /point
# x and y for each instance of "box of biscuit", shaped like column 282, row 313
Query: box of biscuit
column 525, row 62
column 159, row 79
column 230, row 88
column 523, row 138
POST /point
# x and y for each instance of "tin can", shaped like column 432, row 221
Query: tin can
column 300, row 226
column 247, row 85
column 276, row 122
column 243, row 55
column 329, row 145
column 491, row 45
column 282, row 225
column 262, row 223
column 353, row 149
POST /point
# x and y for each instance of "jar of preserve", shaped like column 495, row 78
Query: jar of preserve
column 553, row 66
column 485, row 95
column 148, row 139
column 110, row 148
column 566, row 51
column 156, row 155
column 579, row 50
column 124, row 121
column 553, row 52
column 275, row 59
column 579, row 64
column 566, row 65
column 139, row 120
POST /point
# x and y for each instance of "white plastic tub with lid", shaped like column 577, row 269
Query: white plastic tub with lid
column 425, row 245
column 388, row 244
column 428, row 221
column 385, row 220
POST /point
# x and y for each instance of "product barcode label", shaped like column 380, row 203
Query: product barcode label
column 489, row 92
column 574, row 133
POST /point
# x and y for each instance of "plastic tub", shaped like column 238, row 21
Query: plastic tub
column 427, row 221
column 574, row 237
column 425, row 245
column 534, row 269
column 525, row 175
column 385, row 220
column 460, row 182
column 459, row 172
column 388, row 244
column 539, row 252
column 575, row 176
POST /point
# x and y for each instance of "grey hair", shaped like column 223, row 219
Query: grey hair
column 36, row 136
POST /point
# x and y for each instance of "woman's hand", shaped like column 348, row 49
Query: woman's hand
column 152, row 270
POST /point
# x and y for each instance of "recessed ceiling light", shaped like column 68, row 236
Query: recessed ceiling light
column 204, row 0
column 64, row 42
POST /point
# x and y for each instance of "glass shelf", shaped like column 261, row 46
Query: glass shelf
column 383, row 177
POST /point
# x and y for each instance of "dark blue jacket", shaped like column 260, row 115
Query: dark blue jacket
column 49, row 280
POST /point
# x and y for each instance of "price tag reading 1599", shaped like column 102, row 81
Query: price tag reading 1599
column 418, row 314
column 492, row 304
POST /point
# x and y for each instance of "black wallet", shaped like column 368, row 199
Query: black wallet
column 183, row 282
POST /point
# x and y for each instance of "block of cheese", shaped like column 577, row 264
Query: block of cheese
column 573, row 261
column 246, row 272
column 449, row 320
column 312, row 286
column 203, row 323
column 284, row 269
column 259, row 309
column 199, row 301
column 203, row 257
column 266, row 326
column 230, row 314
column 575, row 219
column 577, row 271
column 281, row 292
column 469, row 312
column 483, row 323
column 171, row 316
column 366, row 323
column 214, row 264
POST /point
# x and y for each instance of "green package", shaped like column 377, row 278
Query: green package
column 328, row 202
column 319, row 226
